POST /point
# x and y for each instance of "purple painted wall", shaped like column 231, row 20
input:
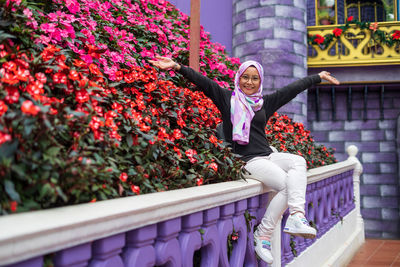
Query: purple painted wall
column 215, row 17
column 377, row 142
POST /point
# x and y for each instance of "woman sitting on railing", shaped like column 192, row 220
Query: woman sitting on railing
column 245, row 112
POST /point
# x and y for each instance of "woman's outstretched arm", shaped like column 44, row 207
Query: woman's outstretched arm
column 282, row 96
column 209, row 87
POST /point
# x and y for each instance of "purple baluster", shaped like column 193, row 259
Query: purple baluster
column 73, row 257
column 167, row 246
column 321, row 197
column 225, row 227
column 106, row 251
column 250, row 259
column 139, row 250
column 189, row 238
column 210, row 243
column 239, row 222
column 327, row 195
column 264, row 200
column 286, row 251
column 35, row 262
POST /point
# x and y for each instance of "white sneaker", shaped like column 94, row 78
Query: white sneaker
column 263, row 249
column 298, row 225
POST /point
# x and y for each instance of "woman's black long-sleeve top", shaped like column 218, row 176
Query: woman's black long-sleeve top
column 258, row 144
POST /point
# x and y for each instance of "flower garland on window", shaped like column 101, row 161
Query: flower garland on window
column 380, row 36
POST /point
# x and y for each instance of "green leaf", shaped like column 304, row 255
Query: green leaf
column 45, row 190
column 8, row 149
column 10, row 189
column 53, row 151
column 129, row 140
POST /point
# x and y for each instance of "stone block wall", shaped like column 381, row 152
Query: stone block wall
column 274, row 33
column 378, row 142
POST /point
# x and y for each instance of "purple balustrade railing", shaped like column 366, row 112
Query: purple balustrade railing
column 188, row 227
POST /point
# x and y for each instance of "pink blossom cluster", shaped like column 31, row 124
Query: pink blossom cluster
column 128, row 32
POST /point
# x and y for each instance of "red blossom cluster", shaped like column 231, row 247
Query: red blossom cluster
column 288, row 136
column 137, row 135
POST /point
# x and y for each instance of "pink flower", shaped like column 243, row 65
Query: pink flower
column 48, row 27
column 73, row 6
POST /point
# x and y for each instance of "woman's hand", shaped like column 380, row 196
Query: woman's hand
column 165, row 63
column 327, row 76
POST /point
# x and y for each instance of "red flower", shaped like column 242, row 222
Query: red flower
column 396, row 35
column 319, row 39
column 79, row 63
column 35, row 88
column 13, row 206
column 213, row 166
column 135, row 189
column 29, row 108
column 3, row 108
column 118, row 107
column 82, row 96
column 177, row 134
column 123, row 177
column 4, row 137
column 199, row 181
column 94, row 69
column 73, row 75
column 41, row 77
column 96, row 123
column 190, row 153
column 350, row 18
column 178, row 151
column 129, row 77
column 337, row 32
column 214, row 140
column 60, row 77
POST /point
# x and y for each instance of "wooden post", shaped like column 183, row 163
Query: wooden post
column 194, row 34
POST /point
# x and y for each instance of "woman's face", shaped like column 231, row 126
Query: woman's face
column 250, row 81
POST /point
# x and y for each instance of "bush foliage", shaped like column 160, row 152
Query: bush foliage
column 84, row 118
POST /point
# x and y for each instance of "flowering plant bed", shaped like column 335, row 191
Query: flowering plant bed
column 84, row 118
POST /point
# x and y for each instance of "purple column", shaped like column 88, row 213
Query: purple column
column 76, row 256
column 190, row 238
column 274, row 33
column 210, row 242
column 139, row 250
column 167, row 246
column 106, row 251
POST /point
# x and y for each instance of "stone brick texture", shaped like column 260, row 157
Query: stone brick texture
column 274, row 33
column 378, row 142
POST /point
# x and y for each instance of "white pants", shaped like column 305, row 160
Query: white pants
column 287, row 175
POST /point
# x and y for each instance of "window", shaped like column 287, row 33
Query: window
column 326, row 12
column 372, row 10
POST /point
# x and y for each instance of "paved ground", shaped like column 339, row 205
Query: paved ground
column 377, row 253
